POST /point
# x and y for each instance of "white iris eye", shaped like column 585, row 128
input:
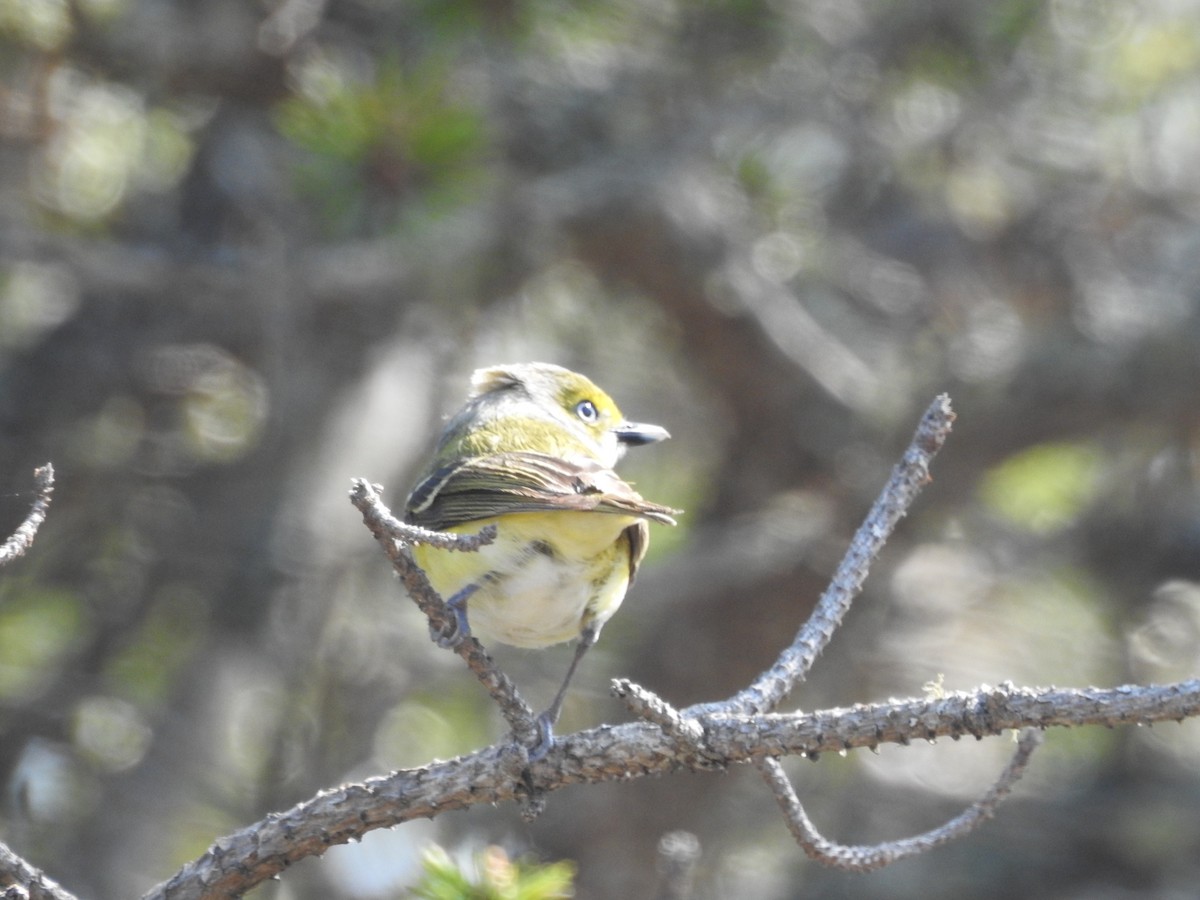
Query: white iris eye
column 587, row 411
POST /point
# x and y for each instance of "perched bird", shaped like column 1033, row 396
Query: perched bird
column 532, row 452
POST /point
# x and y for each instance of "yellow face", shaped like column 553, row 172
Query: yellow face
column 588, row 405
column 542, row 408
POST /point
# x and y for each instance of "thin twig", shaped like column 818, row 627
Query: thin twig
column 794, row 663
column 654, row 708
column 22, row 539
column 395, row 536
column 415, row 534
column 864, row 858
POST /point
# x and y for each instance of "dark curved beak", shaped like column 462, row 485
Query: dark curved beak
column 635, row 434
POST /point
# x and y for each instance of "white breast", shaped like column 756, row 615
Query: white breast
column 540, row 604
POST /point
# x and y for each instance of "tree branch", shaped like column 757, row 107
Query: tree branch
column 704, row 737
column 22, row 539
column 15, row 871
column 395, row 537
column 238, row 862
column 865, row 858
column 908, row 477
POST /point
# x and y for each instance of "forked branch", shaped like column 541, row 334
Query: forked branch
column 395, row 537
column 704, row 737
column 794, row 663
column 908, row 477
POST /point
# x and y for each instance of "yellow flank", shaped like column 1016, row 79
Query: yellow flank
column 546, row 576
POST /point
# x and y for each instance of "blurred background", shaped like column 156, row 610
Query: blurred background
column 250, row 250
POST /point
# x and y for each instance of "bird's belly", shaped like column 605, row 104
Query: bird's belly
column 537, row 586
column 543, row 602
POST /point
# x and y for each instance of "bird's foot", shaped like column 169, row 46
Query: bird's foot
column 453, row 637
column 545, row 730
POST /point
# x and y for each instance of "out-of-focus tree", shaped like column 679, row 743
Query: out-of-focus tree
column 248, row 251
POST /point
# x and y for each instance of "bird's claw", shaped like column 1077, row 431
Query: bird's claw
column 545, row 742
column 452, row 638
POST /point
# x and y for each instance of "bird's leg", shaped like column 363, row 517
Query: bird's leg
column 462, row 630
column 545, row 722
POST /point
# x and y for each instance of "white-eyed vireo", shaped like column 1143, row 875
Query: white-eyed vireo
column 532, row 452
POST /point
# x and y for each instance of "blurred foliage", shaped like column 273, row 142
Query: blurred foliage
column 250, row 251
column 496, row 877
column 1159, row 55
column 1046, row 487
column 48, row 24
column 153, row 656
column 105, row 148
column 44, row 24
column 110, row 733
column 38, row 627
column 400, row 133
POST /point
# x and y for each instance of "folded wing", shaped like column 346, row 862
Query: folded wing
column 485, row 486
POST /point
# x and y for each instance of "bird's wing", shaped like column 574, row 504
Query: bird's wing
column 481, row 487
column 639, row 542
